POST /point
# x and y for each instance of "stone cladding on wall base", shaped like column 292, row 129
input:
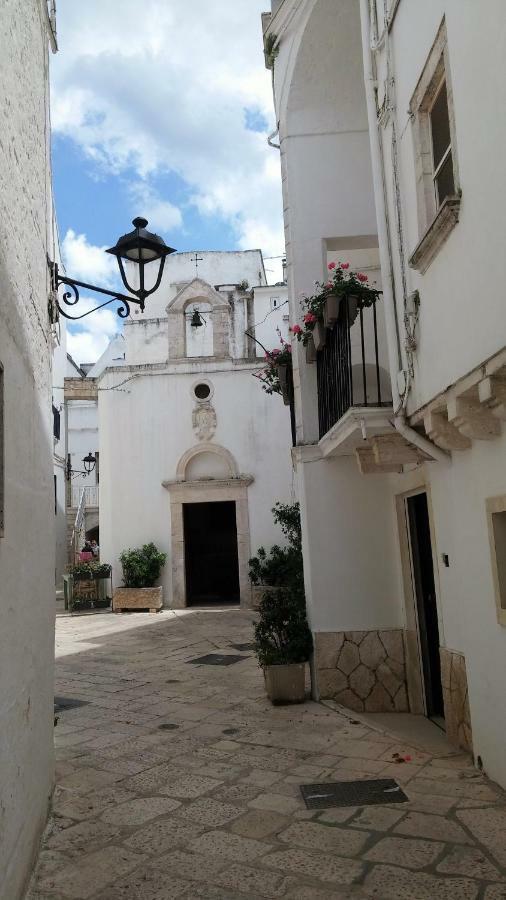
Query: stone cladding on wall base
column 363, row 670
column 456, row 699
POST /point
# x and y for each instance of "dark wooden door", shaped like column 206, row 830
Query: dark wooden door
column 425, row 592
column 211, row 556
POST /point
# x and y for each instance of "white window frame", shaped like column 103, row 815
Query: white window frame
column 435, row 219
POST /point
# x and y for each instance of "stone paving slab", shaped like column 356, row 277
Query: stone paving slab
column 180, row 781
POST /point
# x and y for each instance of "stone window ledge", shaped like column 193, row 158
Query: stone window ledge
column 436, row 234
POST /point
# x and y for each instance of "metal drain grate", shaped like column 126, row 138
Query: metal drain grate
column 61, row 703
column 243, row 648
column 369, row 792
column 216, row 659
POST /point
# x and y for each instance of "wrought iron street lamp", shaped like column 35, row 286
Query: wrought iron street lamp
column 139, row 246
column 89, row 463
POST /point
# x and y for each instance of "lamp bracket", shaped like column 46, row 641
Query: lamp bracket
column 71, row 297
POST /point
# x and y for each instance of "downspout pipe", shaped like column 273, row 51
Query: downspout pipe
column 391, row 322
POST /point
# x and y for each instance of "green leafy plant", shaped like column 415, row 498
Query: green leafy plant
column 280, row 356
column 282, row 634
column 281, row 566
column 142, row 566
column 84, row 570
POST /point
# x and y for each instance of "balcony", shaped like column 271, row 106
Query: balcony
column 91, row 495
column 354, row 393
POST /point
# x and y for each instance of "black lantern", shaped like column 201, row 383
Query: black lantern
column 90, row 462
column 196, row 321
column 140, row 247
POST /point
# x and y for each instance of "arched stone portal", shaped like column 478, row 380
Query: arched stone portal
column 208, row 473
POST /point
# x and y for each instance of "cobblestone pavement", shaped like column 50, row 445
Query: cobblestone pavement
column 178, row 780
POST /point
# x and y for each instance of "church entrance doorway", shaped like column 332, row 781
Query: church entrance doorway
column 211, row 553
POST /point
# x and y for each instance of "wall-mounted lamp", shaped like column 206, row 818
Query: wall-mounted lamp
column 138, row 246
column 89, row 462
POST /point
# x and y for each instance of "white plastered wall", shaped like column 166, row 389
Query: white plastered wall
column 27, row 548
column 147, row 427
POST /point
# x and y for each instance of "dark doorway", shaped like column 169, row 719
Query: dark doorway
column 425, row 593
column 211, row 557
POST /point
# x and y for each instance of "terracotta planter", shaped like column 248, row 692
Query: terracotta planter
column 352, row 308
column 319, row 335
column 285, row 683
column 310, row 351
column 138, row 598
column 331, row 310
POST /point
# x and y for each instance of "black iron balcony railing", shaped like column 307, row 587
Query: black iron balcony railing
column 349, row 370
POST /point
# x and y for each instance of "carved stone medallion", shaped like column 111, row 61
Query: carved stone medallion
column 204, row 420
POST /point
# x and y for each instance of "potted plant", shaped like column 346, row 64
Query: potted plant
column 276, row 377
column 141, row 569
column 283, row 644
column 323, row 309
column 282, row 638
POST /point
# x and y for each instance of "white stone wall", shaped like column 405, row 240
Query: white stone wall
column 59, row 371
column 146, row 429
column 462, row 312
column 271, row 312
column 351, row 538
column 27, row 546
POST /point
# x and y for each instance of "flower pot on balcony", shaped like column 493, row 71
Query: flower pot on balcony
column 310, row 351
column 285, row 683
column 319, row 335
column 331, row 310
column 352, row 300
column 283, row 383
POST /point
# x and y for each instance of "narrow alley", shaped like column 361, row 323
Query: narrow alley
column 177, row 778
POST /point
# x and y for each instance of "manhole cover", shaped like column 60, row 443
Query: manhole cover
column 216, row 659
column 243, row 647
column 167, row 726
column 61, row 703
column 352, row 793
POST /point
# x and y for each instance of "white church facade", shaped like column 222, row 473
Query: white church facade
column 193, row 453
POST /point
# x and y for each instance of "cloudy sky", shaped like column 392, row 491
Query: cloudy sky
column 162, row 109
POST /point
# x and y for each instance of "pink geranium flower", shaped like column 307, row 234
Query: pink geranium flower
column 344, row 265
column 331, row 266
column 275, row 352
column 309, row 318
column 361, row 276
column 296, row 329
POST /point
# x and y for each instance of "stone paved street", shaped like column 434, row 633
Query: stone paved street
column 177, row 780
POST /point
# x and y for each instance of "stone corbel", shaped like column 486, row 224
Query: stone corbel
column 492, row 394
column 439, row 430
column 393, row 450
column 472, row 419
column 367, row 464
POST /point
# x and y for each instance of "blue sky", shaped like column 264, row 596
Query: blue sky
column 164, row 114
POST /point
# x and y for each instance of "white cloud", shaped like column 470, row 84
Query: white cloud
column 88, row 338
column 165, row 90
column 162, row 215
column 85, row 262
column 85, row 347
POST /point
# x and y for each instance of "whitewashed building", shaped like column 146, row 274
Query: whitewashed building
column 27, row 496
column 192, row 451
column 389, row 137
